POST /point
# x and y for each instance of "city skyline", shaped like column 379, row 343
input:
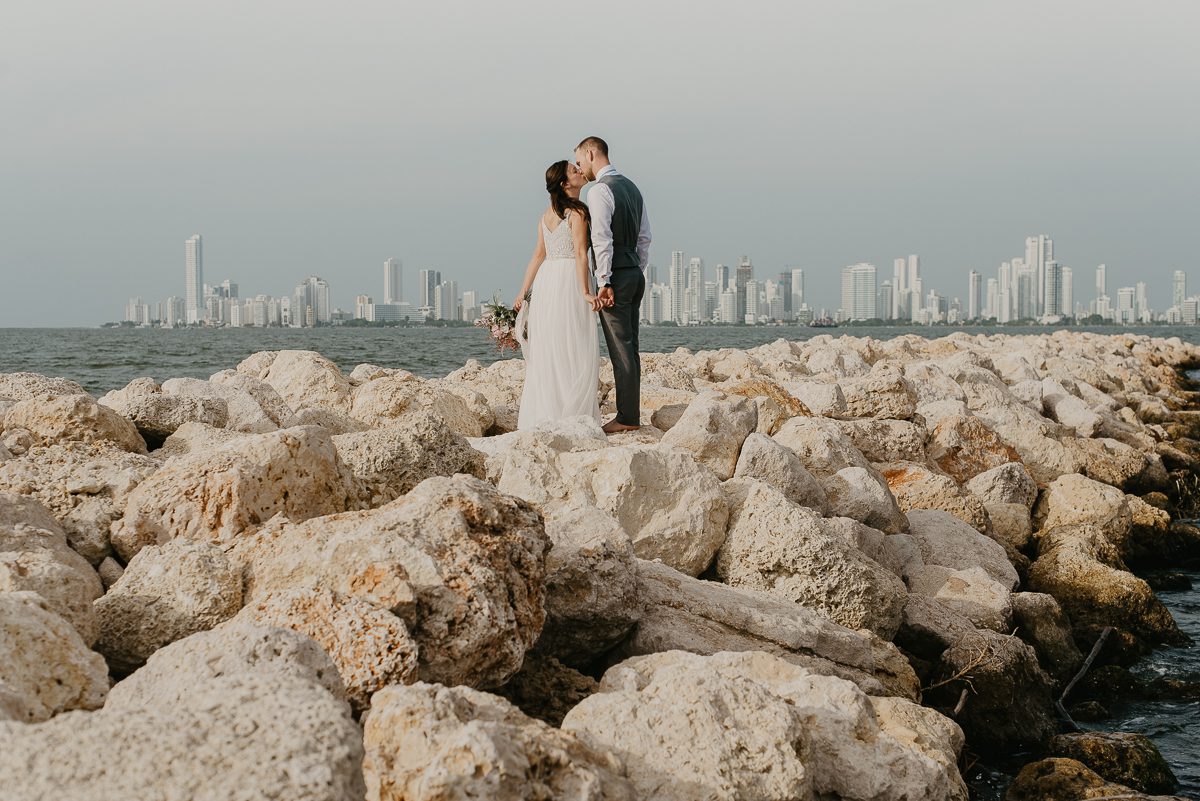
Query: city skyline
column 815, row 136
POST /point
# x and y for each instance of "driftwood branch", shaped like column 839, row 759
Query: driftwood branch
column 1087, row 664
column 962, row 701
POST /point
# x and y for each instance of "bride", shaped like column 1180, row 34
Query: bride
column 562, row 351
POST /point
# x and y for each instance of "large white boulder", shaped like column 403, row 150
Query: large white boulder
column 53, row 419
column 713, row 429
column 765, row 459
column 157, row 414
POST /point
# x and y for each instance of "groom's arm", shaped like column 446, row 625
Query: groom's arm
column 643, row 240
column 600, row 206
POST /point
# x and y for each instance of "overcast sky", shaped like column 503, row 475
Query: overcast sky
column 321, row 138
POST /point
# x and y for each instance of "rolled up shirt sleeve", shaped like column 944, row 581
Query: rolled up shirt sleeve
column 643, row 240
column 600, row 204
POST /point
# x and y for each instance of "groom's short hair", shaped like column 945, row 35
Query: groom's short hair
column 594, row 143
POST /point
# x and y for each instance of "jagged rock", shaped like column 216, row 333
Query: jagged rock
column 241, row 736
column 591, row 585
column 1008, row 483
column 335, row 422
column 713, row 429
column 476, row 402
column 196, row 438
column 969, row 591
column 569, row 434
column 1124, row 758
column 1079, row 565
column 427, row 742
column 964, row 446
column 35, row 557
column 45, row 666
column 916, row 487
column 822, row 398
column 1068, row 409
column 886, row 440
column 84, row 485
column 245, row 412
column 670, row 505
column 172, row 673
column 750, row 725
column 110, row 571
column 1073, row 500
column 301, row 377
column 391, row 461
column 1127, row 468
column 270, row 401
column 820, row 444
column 54, row 419
column 156, row 415
column 1060, row 779
column 500, row 383
column 863, row 495
column 704, row 617
column 223, row 495
column 23, row 386
column 546, row 689
column 784, row 549
column 765, row 459
column 1150, row 537
column 945, row 540
column 1011, row 527
column 17, row 441
column 462, row 564
column 370, row 646
column 882, row 393
column 1041, row 622
column 386, row 400
column 166, row 593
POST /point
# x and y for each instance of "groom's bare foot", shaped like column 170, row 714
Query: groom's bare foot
column 613, row 427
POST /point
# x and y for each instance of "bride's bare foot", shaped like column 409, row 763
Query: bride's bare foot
column 613, row 427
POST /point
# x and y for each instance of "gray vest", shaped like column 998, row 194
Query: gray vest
column 626, row 220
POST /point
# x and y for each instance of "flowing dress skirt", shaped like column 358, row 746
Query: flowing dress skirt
column 562, row 354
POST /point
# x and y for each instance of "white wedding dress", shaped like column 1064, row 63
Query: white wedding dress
column 562, row 349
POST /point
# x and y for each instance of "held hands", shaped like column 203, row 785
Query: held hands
column 594, row 302
column 606, row 297
column 518, row 303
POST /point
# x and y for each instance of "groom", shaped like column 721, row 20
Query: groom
column 621, row 242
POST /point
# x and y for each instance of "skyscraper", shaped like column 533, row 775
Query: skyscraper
column 1052, row 291
column 1101, row 281
column 427, row 291
column 993, row 298
column 310, row 303
column 193, row 278
column 1178, row 289
column 858, row 291
column 695, row 286
column 745, row 273
column 1068, row 292
column 1039, row 250
column 393, row 281
column 797, row 290
column 722, row 277
column 899, row 289
column 677, row 280
column 785, row 293
column 974, row 294
column 1005, row 283
column 883, row 300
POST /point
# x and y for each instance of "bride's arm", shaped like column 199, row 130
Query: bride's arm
column 539, row 256
column 579, row 234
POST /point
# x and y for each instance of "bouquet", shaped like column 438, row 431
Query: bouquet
column 501, row 322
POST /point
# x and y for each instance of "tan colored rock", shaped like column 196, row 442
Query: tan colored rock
column 881, row 393
column 969, row 591
column 335, row 422
column 677, row 715
column 916, row 487
column 45, row 667
column 862, row 494
column 500, row 383
column 23, row 386
column 225, row 495
column 156, row 414
column 245, row 412
column 385, row 401
column 546, row 689
column 167, row 592
column 462, row 564
column 1074, row 500
column 765, row 459
column 1008, row 483
column 53, row 419
column 963, row 447
column 242, row 736
column 946, row 541
column 886, row 440
column 1061, row 779
column 268, row 399
column 84, row 485
column 1042, row 623
column 370, row 646
column 705, row 617
column 196, row 438
column 820, row 444
column 823, row 398
column 1126, row 758
column 713, row 429
column 301, row 377
column 428, row 742
column 778, row 547
column 110, row 571
column 35, row 557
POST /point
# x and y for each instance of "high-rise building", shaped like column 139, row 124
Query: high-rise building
column 883, row 300
column 722, row 277
column 752, row 299
column 1068, row 292
column 974, row 294
column 393, row 281
column 1141, row 303
column 797, row 290
column 1005, row 283
column 712, row 296
column 745, row 273
column 1038, row 251
column 1052, row 299
column 695, row 285
column 445, row 301
column 193, row 278
column 727, row 310
column 1101, row 281
column 858, row 291
column 900, row 289
column 428, row 287
column 1178, row 288
column 993, row 299
column 785, row 292
column 470, row 306
column 1126, row 311
column 310, row 303
column 362, row 307
column 677, row 280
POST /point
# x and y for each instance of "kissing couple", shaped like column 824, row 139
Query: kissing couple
column 559, row 301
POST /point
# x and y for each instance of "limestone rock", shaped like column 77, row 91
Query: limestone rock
column 1124, row 758
column 166, row 593
column 335, row 422
column 945, row 540
column 863, row 495
column 882, row 393
column 462, row 564
column 822, row 398
column 1061, row 779
column 242, row 736
column 546, row 689
column 370, row 646
column 1073, row 500
column 385, row 401
column 427, row 742
column 244, row 411
column 964, row 446
column 784, row 549
column 110, row 571
column 84, row 485
column 1068, row 409
column 765, row 459
column 156, row 414
column 196, row 438
column 35, row 557
column 53, row 419
column 301, row 377
column 224, row 495
column 886, row 440
column 705, row 617
column 820, row 444
column 391, row 461
column 713, row 429
column 45, row 667
column 969, row 591
column 268, row 399
column 916, row 487
column 714, row 727
column 591, row 585
column 1041, row 622
column 23, row 386
column 1011, row 527
column 1007, row 483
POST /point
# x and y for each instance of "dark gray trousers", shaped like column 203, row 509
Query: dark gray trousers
column 620, row 323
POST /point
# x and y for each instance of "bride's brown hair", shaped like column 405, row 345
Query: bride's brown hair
column 560, row 201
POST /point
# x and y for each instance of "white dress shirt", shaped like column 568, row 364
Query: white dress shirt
column 601, row 205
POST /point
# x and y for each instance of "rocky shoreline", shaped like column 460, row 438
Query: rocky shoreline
column 837, row 568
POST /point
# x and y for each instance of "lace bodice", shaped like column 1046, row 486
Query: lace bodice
column 559, row 243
